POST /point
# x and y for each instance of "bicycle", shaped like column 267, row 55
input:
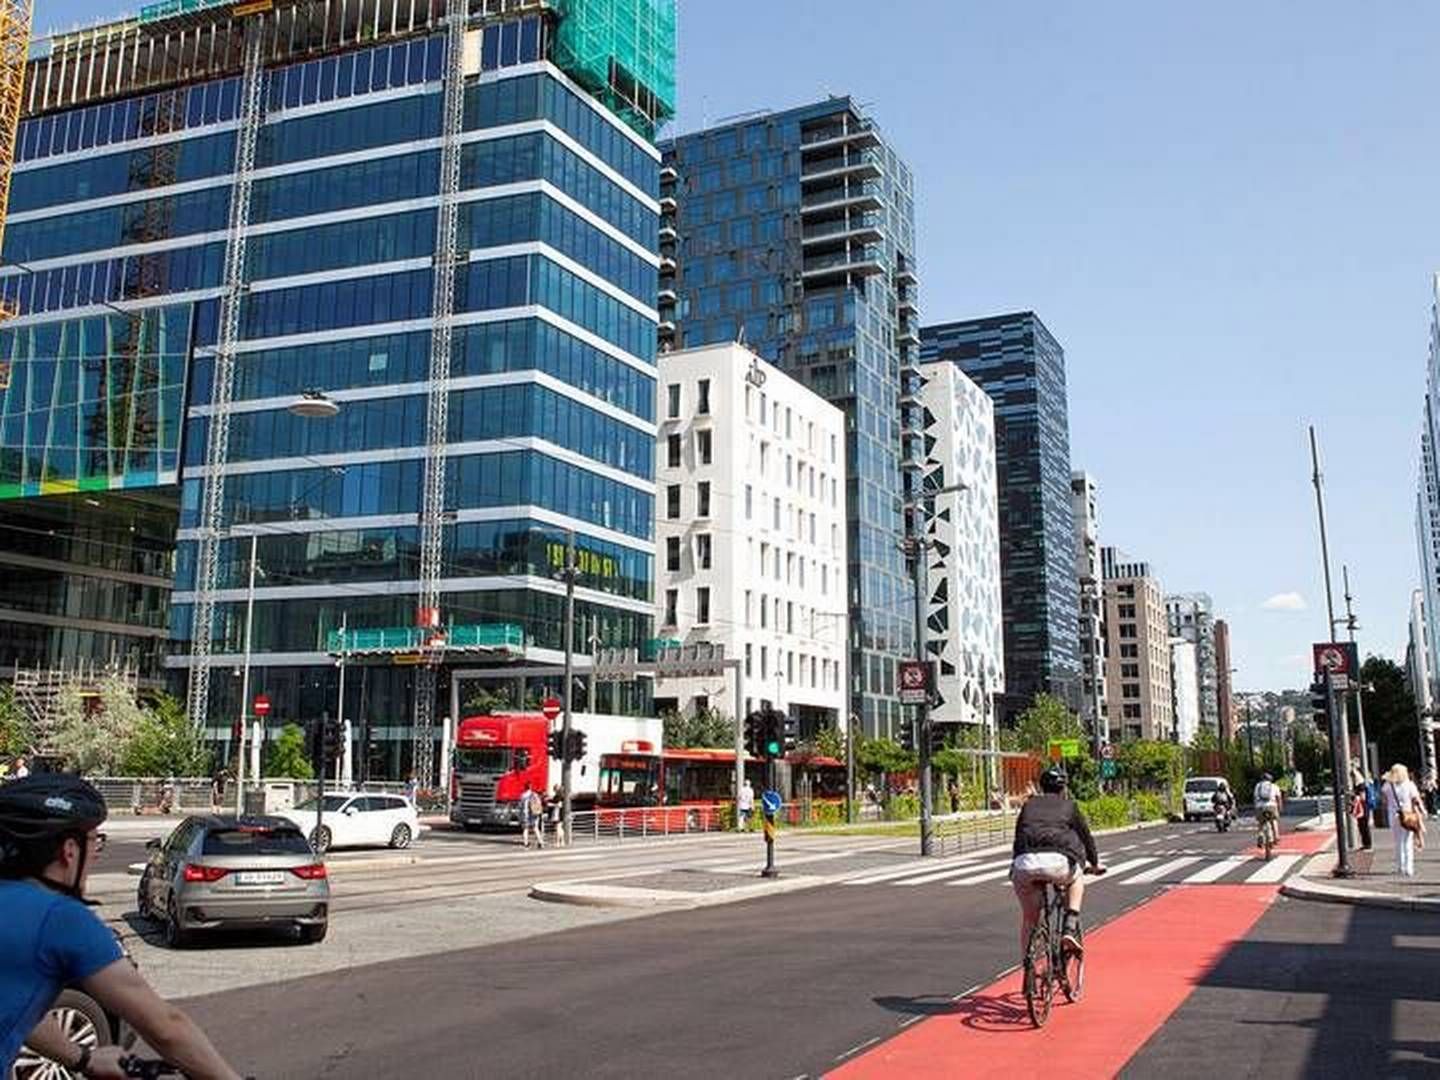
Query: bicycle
column 1047, row 962
column 147, row 1068
column 1266, row 837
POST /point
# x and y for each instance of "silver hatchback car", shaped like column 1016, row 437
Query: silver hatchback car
column 223, row 872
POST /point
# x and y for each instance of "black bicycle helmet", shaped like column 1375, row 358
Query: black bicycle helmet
column 37, row 813
column 1053, row 780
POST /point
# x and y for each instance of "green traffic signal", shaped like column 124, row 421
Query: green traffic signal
column 772, row 748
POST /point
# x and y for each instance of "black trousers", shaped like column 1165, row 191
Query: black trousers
column 1364, row 822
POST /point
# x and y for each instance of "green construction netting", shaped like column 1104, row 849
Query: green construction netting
column 623, row 51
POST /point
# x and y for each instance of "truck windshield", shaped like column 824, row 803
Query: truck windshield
column 488, row 760
column 629, row 783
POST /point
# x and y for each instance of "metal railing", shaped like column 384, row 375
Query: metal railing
column 190, row 795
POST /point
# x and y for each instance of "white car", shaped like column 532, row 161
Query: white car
column 357, row 819
column 1198, row 792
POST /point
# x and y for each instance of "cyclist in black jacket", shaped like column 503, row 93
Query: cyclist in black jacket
column 1052, row 844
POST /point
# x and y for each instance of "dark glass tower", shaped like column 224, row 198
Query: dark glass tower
column 1022, row 367
column 794, row 232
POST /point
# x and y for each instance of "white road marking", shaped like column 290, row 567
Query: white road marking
column 1155, row 873
column 1274, row 870
column 995, row 875
column 1215, row 871
column 950, row 872
column 871, row 878
column 1121, row 867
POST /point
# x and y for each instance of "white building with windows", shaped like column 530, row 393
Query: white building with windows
column 962, row 608
column 1085, row 505
column 750, row 533
column 1185, row 688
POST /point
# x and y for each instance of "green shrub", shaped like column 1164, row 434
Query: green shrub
column 1150, row 807
column 1106, row 811
column 902, row 807
column 827, row 813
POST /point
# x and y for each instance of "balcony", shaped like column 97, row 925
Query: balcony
column 906, row 307
column 665, row 328
column 666, row 295
column 668, row 235
column 667, row 264
column 904, row 272
column 858, row 167
column 908, row 335
column 668, row 205
column 818, row 140
column 832, row 200
column 862, row 263
column 668, row 174
column 862, row 230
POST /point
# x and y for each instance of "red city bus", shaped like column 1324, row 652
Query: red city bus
column 687, row 787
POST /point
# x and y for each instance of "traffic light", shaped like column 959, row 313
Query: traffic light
column 774, row 744
column 1320, row 703
column 576, row 749
column 754, row 726
column 790, row 731
column 906, row 733
column 557, row 744
column 334, row 736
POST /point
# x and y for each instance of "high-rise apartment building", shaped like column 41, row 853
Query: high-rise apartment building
column 1016, row 360
column 1137, row 650
column 1427, row 495
column 1085, row 508
column 1422, row 683
column 1184, row 689
column 1192, row 618
column 963, row 608
column 793, row 232
column 751, row 534
column 449, row 228
column 1224, row 692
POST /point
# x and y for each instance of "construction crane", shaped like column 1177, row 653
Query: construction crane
column 15, row 17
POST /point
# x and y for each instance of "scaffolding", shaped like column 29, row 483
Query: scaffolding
column 448, row 259
column 623, row 52
column 217, row 451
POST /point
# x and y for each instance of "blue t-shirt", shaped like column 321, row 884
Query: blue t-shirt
column 47, row 942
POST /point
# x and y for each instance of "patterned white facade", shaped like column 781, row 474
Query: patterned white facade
column 1427, row 496
column 1084, row 504
column 962, row 603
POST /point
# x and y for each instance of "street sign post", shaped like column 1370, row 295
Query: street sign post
column 914, row 682
column 770, row 803
column 262, row 705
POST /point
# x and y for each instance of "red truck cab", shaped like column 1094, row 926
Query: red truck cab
column 494, row 758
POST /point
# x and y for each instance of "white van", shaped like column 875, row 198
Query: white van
column 1198, row 791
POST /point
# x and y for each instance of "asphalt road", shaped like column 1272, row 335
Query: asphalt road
column 779, row 987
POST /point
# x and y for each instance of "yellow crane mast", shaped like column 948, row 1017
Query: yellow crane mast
column 15, row 17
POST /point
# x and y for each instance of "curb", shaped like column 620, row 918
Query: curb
column 583, row 894
column 1304, row 887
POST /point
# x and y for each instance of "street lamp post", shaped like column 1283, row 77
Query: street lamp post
column 915, row 546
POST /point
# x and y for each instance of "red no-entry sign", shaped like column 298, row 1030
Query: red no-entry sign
column 262, row 705
column 550, row 707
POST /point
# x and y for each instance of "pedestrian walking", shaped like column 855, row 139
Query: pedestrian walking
column 557, row 824
column 745, row 804
column 1360, row 807
column 1402, row 803
column 21, row 770
column 412, row 789
column 532, row 817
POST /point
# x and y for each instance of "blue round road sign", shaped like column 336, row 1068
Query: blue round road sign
column 770, row 801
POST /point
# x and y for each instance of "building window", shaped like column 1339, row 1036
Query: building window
column 1129, row 652
column 705, row 446
column 1130, row 690
column 764, row 450
column 672, row 501
column 672, row 602
column 702, row 508
column 748, row 598
column 702, row 604
column 777, row 514
column 789, row 616
column 672, row 451
column 749, row 657
column 1127, row 630
column 764, row 612
column 762, row 406
column 672, row 553
column 749, row 502
column 764, row 662
column 702, row 550
column 1132, row 712
column 702, row 400
column 672, row 398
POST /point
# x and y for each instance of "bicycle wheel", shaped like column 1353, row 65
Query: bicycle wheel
column 1039, row 976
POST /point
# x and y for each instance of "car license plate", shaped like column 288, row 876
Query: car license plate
column 260, row 877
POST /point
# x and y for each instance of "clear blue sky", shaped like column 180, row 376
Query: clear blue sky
column 1228, row 213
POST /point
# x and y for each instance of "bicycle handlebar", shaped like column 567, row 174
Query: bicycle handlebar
column 147, row 1068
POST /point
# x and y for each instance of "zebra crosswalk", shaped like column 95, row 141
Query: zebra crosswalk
column 1172, row 867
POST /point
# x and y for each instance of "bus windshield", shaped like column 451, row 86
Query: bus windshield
column 628, row 782
column 486, row 760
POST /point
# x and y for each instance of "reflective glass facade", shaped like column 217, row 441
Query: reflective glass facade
column 1022, row 367
column 794, row 232
column 552, row 394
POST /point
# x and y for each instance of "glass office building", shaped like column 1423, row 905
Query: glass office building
column 121, row 215
column 794, row 232
column 1022, row 367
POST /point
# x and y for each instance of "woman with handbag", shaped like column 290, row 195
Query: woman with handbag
column 1406, row 812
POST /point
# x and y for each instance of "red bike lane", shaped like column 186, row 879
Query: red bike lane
column 1140, row 967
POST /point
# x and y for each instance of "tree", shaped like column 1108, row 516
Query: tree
column 1390, row 719
column 15, row 732
column 1205, row 739
column 1047, row 718
column 286, row 756
column 93, row 732
column 1154, row 764
column 702, row 728
column 882, row 756
column 166, row 743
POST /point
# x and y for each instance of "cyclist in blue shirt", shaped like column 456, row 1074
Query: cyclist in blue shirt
column 49, row 939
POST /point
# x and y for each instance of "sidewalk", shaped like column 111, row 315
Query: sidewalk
column 1375, row 882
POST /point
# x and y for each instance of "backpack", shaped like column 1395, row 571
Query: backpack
column 1372, row 797
column 1265, row 792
